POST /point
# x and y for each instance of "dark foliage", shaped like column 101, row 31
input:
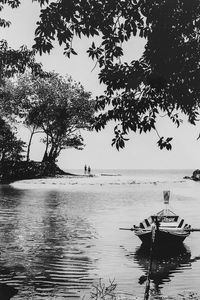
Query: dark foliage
column 166, row 78
column 11, row 148
column 19, row 170
column 14, row 61
column 17, row 61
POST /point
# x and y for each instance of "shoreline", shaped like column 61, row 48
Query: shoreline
column 24, row 170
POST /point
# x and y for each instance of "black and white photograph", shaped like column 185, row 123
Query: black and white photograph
column 100, row 149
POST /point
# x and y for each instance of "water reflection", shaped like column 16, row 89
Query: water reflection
column 166, row 262
column 44, row 247
column 55, row 243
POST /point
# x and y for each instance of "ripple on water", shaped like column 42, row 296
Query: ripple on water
column 52, row 264
column 49, row 249
column 68, row 273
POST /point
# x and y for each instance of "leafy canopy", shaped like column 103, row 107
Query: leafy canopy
column 11, row 148
column 165, row 78
column 57, row 106
column 14, row 61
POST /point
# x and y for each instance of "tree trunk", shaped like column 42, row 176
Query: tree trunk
column 54, row 155
column 50, row 158
column 3, row 156
column 29, row 145
column 45, row 157
column 54, row 151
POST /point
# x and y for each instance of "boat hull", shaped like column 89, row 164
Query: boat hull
column 163, row 238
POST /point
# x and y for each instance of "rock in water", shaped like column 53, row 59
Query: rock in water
column 196, row 175
column 7, row 292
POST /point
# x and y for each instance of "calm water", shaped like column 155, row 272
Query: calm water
column 59, row 236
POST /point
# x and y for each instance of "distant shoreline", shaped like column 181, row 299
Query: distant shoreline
column 19, row 171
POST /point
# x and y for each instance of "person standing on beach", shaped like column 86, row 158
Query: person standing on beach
column 89, row 170
column 85, row 169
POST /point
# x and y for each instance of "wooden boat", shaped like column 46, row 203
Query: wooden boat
column 164, row 228
column 170, row 229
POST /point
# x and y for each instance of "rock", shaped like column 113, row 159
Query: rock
column 7, row 292
column 196, row 175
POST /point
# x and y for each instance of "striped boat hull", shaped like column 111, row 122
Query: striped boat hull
column 163, row 238
column 170, row 229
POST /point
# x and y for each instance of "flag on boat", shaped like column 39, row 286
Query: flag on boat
column 166, row 195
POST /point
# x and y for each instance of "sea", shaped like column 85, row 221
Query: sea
column 60, row 238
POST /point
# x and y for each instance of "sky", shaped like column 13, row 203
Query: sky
column 141, row 151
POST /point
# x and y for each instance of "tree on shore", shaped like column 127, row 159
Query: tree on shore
column 12, row 62
column 57, row 107
column 11, row 148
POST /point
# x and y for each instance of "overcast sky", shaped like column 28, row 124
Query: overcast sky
column 141, row 151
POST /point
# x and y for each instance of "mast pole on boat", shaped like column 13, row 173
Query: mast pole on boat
column 166, row 195
column 147, row 288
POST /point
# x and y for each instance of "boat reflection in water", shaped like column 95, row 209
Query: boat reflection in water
column 165, row 263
